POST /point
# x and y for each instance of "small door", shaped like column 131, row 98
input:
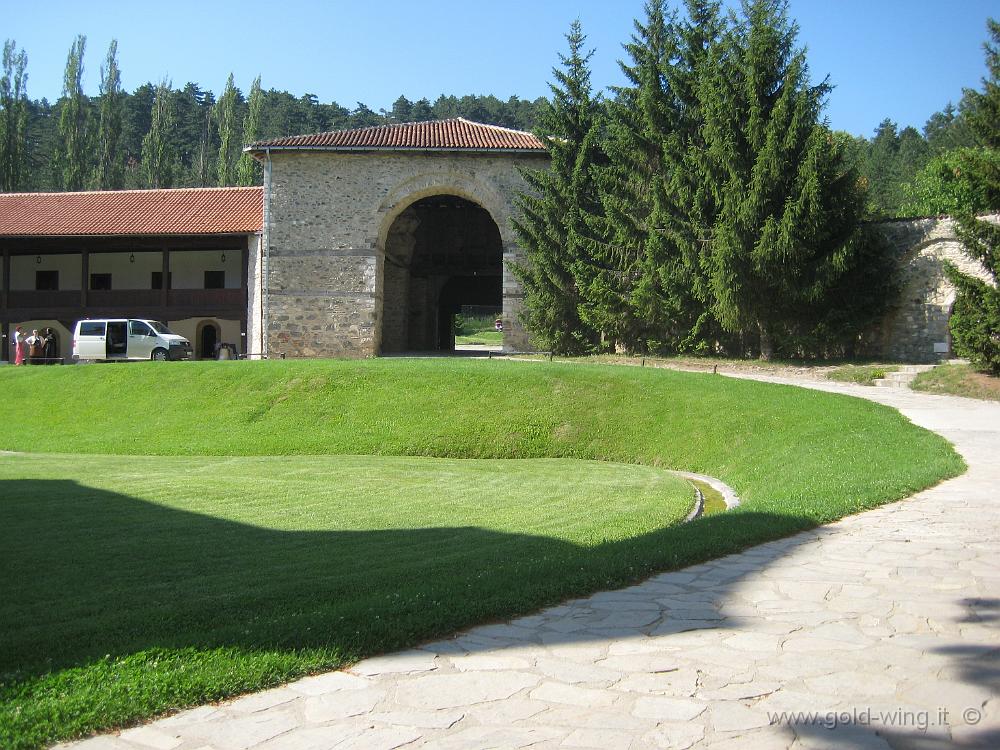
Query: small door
column 117, row 339
column 90, row 339
column 209, row 337
column 141, row 340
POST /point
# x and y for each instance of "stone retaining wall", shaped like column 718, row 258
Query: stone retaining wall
column 916, row 330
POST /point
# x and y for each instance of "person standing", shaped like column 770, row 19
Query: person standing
column 36, row 349
column 49, row 349
column 19, row 346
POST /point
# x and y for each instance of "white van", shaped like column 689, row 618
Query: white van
column 127, row 338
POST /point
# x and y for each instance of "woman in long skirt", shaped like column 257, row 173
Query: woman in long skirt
column 20, row 348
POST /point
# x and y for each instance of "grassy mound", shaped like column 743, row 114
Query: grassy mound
column 214, row 528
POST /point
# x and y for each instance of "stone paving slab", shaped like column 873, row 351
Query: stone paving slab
column 886, row 624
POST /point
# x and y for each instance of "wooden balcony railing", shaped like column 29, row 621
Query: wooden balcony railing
column 126, row 299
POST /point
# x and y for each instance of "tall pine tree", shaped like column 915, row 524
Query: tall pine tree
column 109, row 174
column 13, row 116
column 975, row 320
column 647, row 291
column 73, row 157
column 786, row 230
column 685, row 190
column 615, row 286
column 550, row 224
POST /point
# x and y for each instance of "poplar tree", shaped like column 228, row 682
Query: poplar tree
column 109, row 174
column 975, row 319
column 786, row 233
column 248, row 170
column 228, row 146
column 13, row 116
column 550, row 223
column 158, row 154
column 73, row 155
column 207, row 109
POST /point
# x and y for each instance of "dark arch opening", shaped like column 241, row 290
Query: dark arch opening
column 208, row 337
column 441, row 253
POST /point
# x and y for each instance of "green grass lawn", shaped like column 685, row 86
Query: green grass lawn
column 218, row 527
column 861, row 374
column 958, row 380
column 485, row 337
column 478, row 329
column 132, row 583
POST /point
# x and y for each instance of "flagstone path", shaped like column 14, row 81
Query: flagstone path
column 884, row 626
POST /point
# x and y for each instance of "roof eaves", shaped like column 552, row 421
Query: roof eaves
column 103, row 235
column 255, row 149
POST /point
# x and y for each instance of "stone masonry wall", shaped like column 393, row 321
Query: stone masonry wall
column 916, row 330
column 329, row 221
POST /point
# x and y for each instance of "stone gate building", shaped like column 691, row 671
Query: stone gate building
column 375, row 238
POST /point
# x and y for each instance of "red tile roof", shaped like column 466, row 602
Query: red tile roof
column 231, row 210
column 440, row 135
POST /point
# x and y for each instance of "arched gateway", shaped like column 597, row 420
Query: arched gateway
column 374, row 237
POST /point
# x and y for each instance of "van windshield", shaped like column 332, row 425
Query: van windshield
column 159, row 327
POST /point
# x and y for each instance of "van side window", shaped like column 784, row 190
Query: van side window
column 92, row 328
column 138, row 328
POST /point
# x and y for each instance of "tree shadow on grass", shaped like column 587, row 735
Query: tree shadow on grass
column 115, row 609
column 98, row 586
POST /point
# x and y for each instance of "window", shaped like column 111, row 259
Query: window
column 215, row 279
column 100, row 281
column 46, row 281
column 138, row 328
column 92, row 328
column 156, row 282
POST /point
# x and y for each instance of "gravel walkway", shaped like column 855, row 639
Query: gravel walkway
column 879, row 631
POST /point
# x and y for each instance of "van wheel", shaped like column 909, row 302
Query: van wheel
column 160, row 355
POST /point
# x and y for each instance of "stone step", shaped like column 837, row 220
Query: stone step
column 902, row 377
column 886, row 383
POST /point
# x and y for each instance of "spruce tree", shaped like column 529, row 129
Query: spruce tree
column 975, row 319
column 13, row 116
column 647, row 291
column 109, row 174
column 685, row 191
column 228, row 143
column 158, row 157
column 786, row 231
column 248, row 170
column 550, row 224
column 73, row 157
column 615, row 285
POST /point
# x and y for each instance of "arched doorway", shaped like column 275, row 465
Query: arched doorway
column 208, row 337
column 441, row 253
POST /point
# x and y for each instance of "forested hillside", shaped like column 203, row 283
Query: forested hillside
column 164, row 135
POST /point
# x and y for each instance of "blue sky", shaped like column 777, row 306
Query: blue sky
column 902, row 59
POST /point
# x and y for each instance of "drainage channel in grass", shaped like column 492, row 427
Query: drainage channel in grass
column 713, row 501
